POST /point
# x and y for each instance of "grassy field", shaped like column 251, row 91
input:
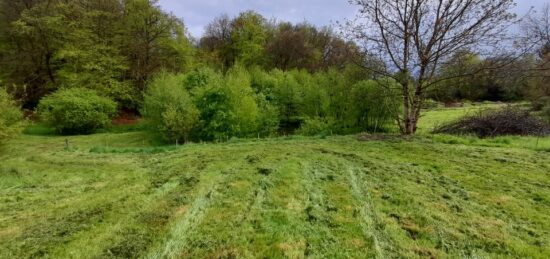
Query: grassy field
column 118, row 195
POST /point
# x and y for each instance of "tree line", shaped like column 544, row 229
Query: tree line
column 248, row 75
column 115, row 47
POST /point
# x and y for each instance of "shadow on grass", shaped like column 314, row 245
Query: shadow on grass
column 41, row 129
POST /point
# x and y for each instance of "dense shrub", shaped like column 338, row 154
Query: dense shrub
column 316, row 126
column 242, row 99
column 430, row 104
column 76, row 110
column 288, row 97
column 268, row 122
column 216, row 117
column 10, row 116
column 170, row 108
column 507, row 121
column 374, row 104
column 199, row 78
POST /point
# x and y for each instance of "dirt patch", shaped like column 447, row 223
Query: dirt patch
column 126, row 118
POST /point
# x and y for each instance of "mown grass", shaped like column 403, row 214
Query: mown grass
column 121, row 195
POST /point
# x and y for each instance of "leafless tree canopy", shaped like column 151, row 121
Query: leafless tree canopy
column 414, row 37
column 537, row 28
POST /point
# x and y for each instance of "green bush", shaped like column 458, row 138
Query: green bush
column 76, row 111
column 170, row 108
column 316, row 126
column 10, row 116
column 243, row 101
column 374, row 104
column 199, row 78
column 268, row 122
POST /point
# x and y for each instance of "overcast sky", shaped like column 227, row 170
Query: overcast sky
column 198, row 13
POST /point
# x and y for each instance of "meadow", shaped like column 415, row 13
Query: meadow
column 119, row 194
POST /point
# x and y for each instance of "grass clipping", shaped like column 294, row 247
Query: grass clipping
column 492, row 123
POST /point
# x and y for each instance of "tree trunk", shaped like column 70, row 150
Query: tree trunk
column 412, row 106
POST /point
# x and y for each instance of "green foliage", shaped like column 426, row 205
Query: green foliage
column 316, row 126
column 199, row 78
column 375, row 104
column 268, row 122
column 216, row 114
column 89, row 58
column 248, row 38
column 242, row 101
column 288, row 96
column 170, row 108
column 315, row 97
column 103, row 45
column 76, row 110
column 160, row 43
column 466, row 77
column 10, row 116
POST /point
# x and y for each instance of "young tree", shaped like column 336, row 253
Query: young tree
column 170, row 108
column 414, row 37
column 242, row 101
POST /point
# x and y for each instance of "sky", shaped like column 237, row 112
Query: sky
column 198, row 13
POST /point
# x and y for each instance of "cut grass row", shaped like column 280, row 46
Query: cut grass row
column 295, row 197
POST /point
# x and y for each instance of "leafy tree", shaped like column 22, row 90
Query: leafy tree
column 216, row 113
column 170, row 108
column 288, row 97
column 89, row 56
column 315, row 98
column 153, row 41
column 242, row 100
column 249, row 37
column 34, row 32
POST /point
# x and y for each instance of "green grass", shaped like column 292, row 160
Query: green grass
column 121, row 195
column 433, row 118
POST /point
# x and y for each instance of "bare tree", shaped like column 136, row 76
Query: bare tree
column 414, row 37
column 536, row 27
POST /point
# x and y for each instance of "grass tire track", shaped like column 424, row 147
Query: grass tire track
column 383, row 244
column 177, row 237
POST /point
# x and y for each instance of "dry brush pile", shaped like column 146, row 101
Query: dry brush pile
column 502, row 122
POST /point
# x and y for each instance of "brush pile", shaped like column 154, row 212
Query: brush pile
column 493, row 123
